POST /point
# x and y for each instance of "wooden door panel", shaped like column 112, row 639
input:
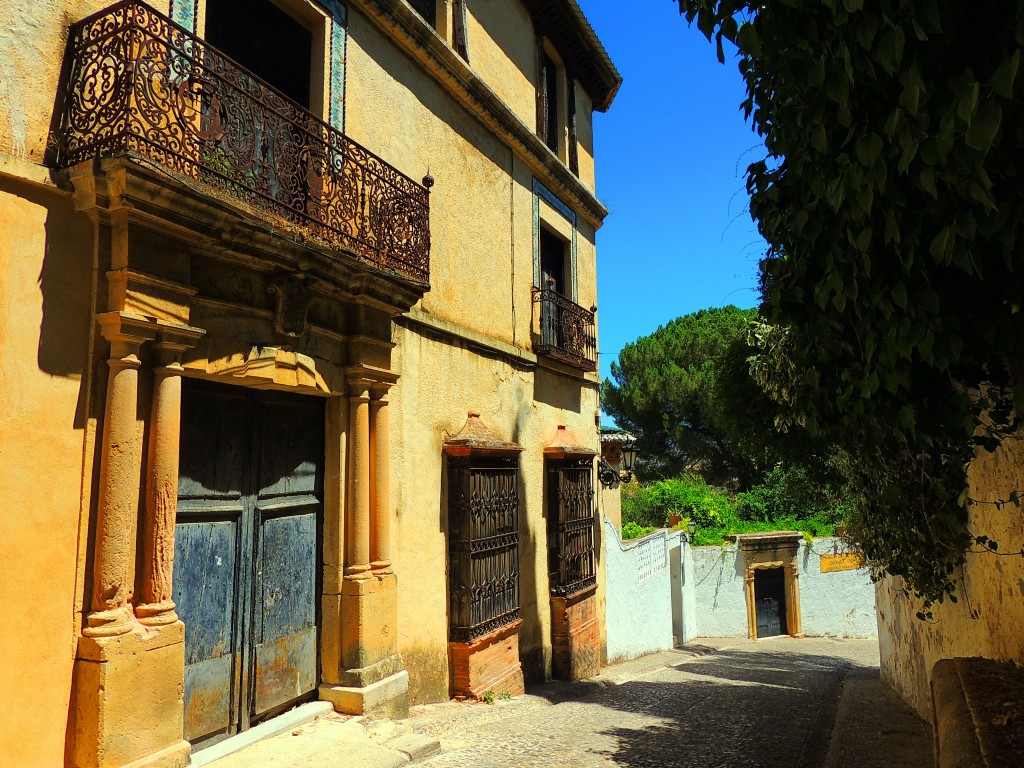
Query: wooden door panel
column 214, row 444
column 247, row 558
column 291, row 448
column 286, row 607
column 205, row 586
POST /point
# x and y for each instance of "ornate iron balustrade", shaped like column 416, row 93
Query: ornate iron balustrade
column 571, row 558
column 140, row 85
column 567, row 330
column 483, row 545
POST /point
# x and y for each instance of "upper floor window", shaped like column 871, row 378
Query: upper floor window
column 556, row 108
column 427, row 9
column 265, row 39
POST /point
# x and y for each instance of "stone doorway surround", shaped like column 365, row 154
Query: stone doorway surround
column 174, row 301
column 777, row 549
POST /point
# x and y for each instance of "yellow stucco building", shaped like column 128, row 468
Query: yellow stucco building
column 299, row 395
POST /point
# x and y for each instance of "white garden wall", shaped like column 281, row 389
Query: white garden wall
column 640, row 595
column 832, row 604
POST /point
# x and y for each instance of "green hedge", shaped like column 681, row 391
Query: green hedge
column 787, row 500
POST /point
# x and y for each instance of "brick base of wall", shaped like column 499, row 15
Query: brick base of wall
column 575, row 636
column 488, row 664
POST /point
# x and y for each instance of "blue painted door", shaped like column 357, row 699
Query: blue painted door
column 246, row 576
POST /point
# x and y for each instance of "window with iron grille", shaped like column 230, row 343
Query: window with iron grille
column 483, row 545
column 571, row 561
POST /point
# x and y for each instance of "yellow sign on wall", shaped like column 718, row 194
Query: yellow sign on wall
column 842, row 561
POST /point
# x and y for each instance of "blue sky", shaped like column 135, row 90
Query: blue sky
column 671, row 155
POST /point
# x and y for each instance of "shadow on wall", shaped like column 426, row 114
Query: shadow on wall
column 558, row 391
column 65, row 282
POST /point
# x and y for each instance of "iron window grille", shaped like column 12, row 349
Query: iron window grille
column 483, row 545
column 571, row 540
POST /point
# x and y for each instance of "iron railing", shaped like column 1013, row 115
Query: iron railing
column 140, row 85
column 483, row 545
column 571, row 557
column 567, row 330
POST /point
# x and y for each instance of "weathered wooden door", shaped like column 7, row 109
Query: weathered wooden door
column 770, row 601
column 246, row 575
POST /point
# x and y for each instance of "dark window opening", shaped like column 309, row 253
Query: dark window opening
column 460, row 40
column 549, row 101
column 265, row 40
column 427, row 9
column 574, row 161
column 483, row 545
column 552, row 262
column 770, row 601
column 570, row 492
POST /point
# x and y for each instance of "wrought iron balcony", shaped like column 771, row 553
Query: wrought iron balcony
column 141, row 86
column 567, row 331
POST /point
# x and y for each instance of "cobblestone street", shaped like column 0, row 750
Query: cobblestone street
column 741, row 704
column 725, row 703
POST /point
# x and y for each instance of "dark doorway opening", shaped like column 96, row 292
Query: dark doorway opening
column 266, row 40
column 552, row 262
column 770, row 601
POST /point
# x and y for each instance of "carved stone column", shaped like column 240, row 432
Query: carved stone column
column 380, row 443
column 357, row 540
column 793, row 620
column 157, row 606
column 114, row 549
column 748, row 589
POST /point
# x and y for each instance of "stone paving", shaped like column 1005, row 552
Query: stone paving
column 774, row 703
column 720, row 703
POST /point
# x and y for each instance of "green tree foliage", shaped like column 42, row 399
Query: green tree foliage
column 687, row 394
column 789, row 499
column 666, row 390
column 891, row 201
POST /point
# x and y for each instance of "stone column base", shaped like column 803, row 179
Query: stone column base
column 489, row 664
column 575, row 636
column 129, row 700
column 385, row 698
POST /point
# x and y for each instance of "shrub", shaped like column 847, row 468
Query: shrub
column 688, row 496
column 633, row 531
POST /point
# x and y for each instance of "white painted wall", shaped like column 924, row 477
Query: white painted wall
column 837, row 604
column 719, row 603
column 687, row 594
column 639, row 605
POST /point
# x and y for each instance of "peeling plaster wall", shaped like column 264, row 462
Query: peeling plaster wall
column 721, row 608
column 834, row 604
column 639, row 606
column 988, row 618
column 32, row 37
column 45, row 274
column 441, row 381
column 481, row 206
column 482, row 265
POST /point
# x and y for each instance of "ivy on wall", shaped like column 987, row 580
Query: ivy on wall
column 892, row 207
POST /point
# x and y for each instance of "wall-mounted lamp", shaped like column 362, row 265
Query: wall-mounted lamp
column 691, row 527
column 609, row 476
